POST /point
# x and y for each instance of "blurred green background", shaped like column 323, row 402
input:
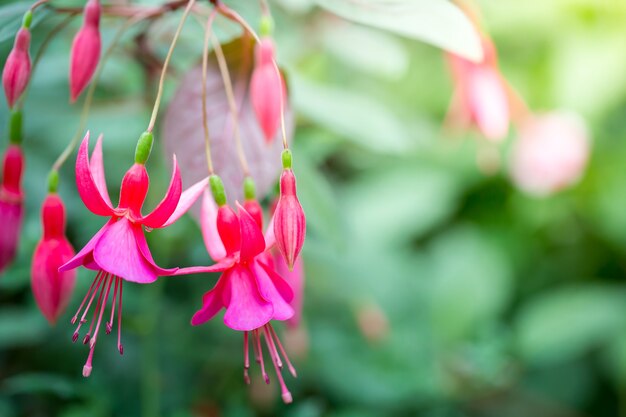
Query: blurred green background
column 432, row 290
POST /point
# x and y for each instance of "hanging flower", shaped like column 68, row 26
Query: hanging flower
column 52, row 289
column 11, row 204
column 249, row 289
column 289, row 219
column 17, row 67
column 295, row 278
column 85, row 53
column 119, row 251
column 551, row 152
column 481, row 97
column 267, row 89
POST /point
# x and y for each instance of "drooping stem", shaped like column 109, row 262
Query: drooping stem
column 37, row 4
column 235, row 17
column 205, row 122
column 90, row 92
column 168, row 57
column 230, row 96
column 282, row 105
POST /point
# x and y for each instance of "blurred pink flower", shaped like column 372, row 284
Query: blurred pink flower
column 550, row 153
column 17, row 69
column 249, row 288
column 11, row 204
column 480, row 98
column 267, row 89
column 85, row 53
column 289, row 219
column 295, row 278
column 52, row 289
column 119, row 251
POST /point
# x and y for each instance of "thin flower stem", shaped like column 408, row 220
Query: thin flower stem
column 42, row 49
column 282, row 106
column 90, row 92
column 265, row 8
column 230, row 96
column 235, row 17
column 37, row 4
column 157, row 102
column 129, row 10
column 205, row 122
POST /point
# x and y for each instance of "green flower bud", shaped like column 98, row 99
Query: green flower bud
column 144, row 147
column 217, row 189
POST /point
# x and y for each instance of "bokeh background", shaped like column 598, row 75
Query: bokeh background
column 433, row 289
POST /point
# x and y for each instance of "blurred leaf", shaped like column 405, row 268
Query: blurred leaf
column 560, row 325
column 183, row 134
column 438, row 22
column 37, row 383
column 21, row 327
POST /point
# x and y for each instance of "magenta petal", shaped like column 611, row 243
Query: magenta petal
column 86, row 184
column 246, row 309
column 117, row 252
column 208, row 225
column 96, row 166
column 85, row 256
column 274, row 290
column 270, row 238
column 167, row 206
column 218, row 267
column 140, row 238
column 281, row 284
column 489, row 103
column 211, row 304
column 187, row 198
column 252, row 240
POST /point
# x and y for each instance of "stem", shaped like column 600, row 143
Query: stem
column 235, row 17
column 228, row 88
column 155, row 109
column 130, row 11
column 205, row 122
column 37, row 4
column 282, row 106
column 42, row 49
column 90, row 92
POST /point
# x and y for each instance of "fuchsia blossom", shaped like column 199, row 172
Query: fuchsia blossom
column 295, row 278
column 17, row 67
column 267, row 89
column 52, row 289
column 481, row 97
column 11, row 204
column 249, row 289
column 551, row 152
column 119, row 251
column 289, row 219
column 85, row 53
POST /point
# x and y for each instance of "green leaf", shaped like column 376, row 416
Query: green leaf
column 565, row 323
column 438, row 22
column 21, row 327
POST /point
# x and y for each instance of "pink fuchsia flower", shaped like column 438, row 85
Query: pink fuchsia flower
column 52, row 289
column 289, row 219
column 550, row 153
column 119, row 251
column 267, row 89
column 85, row 53
column 249, row 289
column 11, row 204
column 481, row 97
column 17, row 67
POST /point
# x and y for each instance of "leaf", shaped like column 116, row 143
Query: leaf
column 21, row 327
column 438, row 22
column 560, row 325
column 39, row 383
column 183, row 132
column 11, row 18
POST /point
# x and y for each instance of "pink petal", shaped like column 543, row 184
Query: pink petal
column 84, row 58
column 212, row 303
column 489, row 103
column 167, row 206
column 96, row 166
column 274, row 290
column 86, row 184
column 270, row 238
column 252, row 241
column 218, row 267
column 117, row 252
column 85, row 256
column 208, row 225
column 295, row 279
column 245, row 310
column 187, row 198
column 140, row 238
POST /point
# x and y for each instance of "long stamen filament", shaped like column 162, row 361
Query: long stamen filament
column 205, row 122
column 168, row 57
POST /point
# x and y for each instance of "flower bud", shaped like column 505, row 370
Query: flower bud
column 52, row 289
column 17, row 67
column 11, row 204
column 289, row 220
column 551, row 153
column 267, row 90
column 85, row 53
